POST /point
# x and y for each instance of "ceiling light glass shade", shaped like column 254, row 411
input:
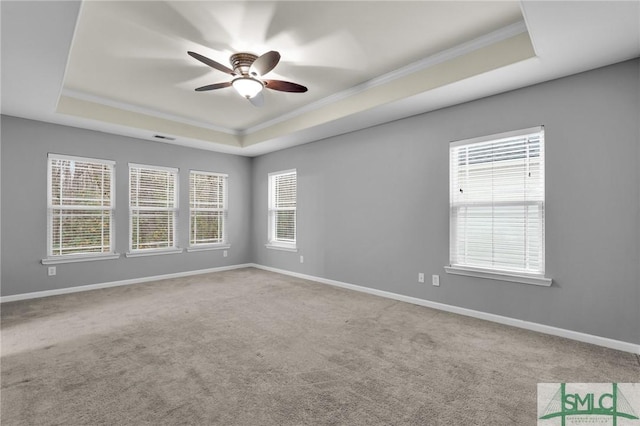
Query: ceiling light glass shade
column 247, row 86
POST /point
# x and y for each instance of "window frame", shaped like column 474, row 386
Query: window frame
column 272, row 241
column 52, row 258
column 497, row 273
column 224, row 244
column 175, row 210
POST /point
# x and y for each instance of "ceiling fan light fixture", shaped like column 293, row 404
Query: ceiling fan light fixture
column 247, row 71
column 247, row 87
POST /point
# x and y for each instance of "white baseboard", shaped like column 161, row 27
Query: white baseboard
column 527, row 325
column 46, row 293
column 541, row 328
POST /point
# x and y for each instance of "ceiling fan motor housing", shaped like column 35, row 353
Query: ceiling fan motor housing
column 241, row 62
column 247, row 71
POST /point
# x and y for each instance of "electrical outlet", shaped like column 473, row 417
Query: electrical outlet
column 420, row 277
column 435, row 280
column 51, row 271
column 301, row 259
column 224, row 253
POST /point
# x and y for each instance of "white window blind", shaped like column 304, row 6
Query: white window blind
column 282, row 207
column 208, row 208
column 497, row 202
column 80, row 206
column 153, row 204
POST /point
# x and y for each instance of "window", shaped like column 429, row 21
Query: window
column 497, row 206
column 282, row 210
column 80, row 206
column 208, row 209
column 153, row 208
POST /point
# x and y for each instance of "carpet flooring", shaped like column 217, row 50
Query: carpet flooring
column 250, row 347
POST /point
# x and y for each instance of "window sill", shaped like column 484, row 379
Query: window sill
column 84, row 258
column 209, row 247
column 283, row 247
column 153, row 252
column 502, row 276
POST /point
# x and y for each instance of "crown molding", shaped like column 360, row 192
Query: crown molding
column 437, row 58
column 76, row 94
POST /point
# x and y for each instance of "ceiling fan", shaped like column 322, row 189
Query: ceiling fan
column 248, row 70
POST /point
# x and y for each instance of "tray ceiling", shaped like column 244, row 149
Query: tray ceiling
column 122, row 66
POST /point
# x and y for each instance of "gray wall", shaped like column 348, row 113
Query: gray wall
column 373, row 204
column 25, row 145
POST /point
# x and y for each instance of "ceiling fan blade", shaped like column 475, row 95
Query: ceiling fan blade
column 264, row 63
column 284, row 86
column 214, row 86
column 257, row 100
column 211, row 63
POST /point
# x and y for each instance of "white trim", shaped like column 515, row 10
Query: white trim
column 282, row 247
column 153, row 167
column 527, row 325
column 175, row 209
column 153, row 252
column 204, row 247
column 50, row 207
column 202, row 172
column 283, row 172
column 274, row 242
column 462, row 49
column 527, row 25
column 83, row 258
column 224, row 210
column 501, row 34
column 83, row 96
column 499, row 136
column 497, row 275
column 55, row 156
column 457, row 203
column 56, row 292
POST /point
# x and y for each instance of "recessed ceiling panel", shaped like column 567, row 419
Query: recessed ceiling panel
column 133, row 55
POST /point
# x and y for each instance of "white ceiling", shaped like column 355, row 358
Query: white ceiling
column 122, row 67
